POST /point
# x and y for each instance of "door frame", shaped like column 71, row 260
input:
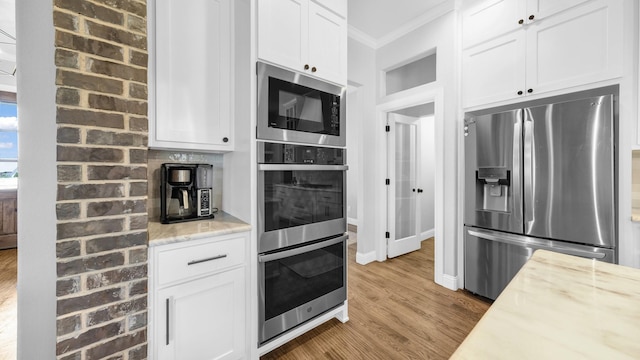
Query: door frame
column 416, row 96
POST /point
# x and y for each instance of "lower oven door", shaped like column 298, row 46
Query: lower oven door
column 300, row 283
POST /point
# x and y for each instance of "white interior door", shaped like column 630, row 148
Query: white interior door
column 403, row 169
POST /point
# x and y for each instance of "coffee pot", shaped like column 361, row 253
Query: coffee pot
column 185, row 192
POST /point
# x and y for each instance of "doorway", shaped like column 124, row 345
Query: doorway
column 424, row 94
column 410, row 169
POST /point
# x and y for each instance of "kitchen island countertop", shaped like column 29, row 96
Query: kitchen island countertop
column 222, row 224
column 561, row 307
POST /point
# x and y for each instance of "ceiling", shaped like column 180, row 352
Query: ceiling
column 380, row 19
column 7, row 45
column 373, row 21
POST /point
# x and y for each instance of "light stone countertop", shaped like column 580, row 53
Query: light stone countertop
column 561, row 307
column 635, row 214
column 222, row 224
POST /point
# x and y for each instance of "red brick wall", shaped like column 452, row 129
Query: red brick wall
column 101, row 60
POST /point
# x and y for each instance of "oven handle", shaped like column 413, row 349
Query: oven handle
column 300, row 167
column 300, row 250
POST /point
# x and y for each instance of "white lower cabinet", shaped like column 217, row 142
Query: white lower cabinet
column 200, row 314
column 203, row 319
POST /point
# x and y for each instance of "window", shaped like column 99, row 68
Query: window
column 8, row 136
column 419, row 72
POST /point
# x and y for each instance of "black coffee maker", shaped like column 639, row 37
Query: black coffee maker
column 185, row 192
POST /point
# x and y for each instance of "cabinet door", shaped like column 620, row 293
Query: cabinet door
column 575, row 47
column 541, row 9
column 327, row 44
column 494, row 70
column 202, row 319
column 192, row 75
column 282, row 32
column 491, row 18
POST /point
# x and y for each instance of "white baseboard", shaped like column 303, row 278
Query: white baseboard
column 427, row 234
column 448, row 281
column 365, row 258
column 352, row 221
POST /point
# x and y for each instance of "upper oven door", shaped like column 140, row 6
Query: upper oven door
column 299, row 203
column 297, row 108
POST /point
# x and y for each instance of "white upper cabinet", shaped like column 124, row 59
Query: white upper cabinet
column 304, row 36
column 282, row 32
column 576, row 47
column 487, row 19
column 190, row 69
column 580, row 44
column 494, row 70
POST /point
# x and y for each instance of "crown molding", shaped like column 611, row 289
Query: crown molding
column 434, row 13
column 359, row 36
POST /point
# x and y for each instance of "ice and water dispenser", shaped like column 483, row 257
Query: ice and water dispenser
column 492, row 188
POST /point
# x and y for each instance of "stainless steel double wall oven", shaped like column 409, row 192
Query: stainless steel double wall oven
column 302, row 269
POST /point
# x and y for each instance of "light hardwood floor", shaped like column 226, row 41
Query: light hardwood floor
column 396, row 311
column 8, row 303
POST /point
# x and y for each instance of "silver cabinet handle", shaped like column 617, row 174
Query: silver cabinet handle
column 167, row 322
column 193, row 262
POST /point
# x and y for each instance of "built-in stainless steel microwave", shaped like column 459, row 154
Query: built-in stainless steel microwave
column 297, row 108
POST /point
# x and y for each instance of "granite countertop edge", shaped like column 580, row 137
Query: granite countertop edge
column 222, row 224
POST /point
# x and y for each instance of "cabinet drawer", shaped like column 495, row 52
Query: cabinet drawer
column 195, row 260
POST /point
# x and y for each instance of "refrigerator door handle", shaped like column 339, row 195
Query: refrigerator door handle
column 532, row 243
column 528, row 169
column 517, row 170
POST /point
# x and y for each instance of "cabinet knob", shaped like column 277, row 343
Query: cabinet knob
column 225, row 139
column 521, row 21
column 306, row 66
column 530, row 91
column 531, row 17
column 520, row 92
column 313, row 69
column 419, row 190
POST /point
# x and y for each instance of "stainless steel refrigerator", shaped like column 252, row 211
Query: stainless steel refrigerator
column 539, row 175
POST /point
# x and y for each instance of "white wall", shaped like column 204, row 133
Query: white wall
column 354, row 127
column 361, row 74
column 439, row 35
column 38, row 180
column 239, row 165
column 427, row 173
column 629, row 243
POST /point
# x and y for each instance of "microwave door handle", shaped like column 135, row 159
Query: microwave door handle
column 300, row 167
column 300, row 250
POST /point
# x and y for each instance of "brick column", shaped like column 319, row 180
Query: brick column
column 101, row 61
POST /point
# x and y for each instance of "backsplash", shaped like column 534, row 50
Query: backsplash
column 159, row 157
column 635, row 182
